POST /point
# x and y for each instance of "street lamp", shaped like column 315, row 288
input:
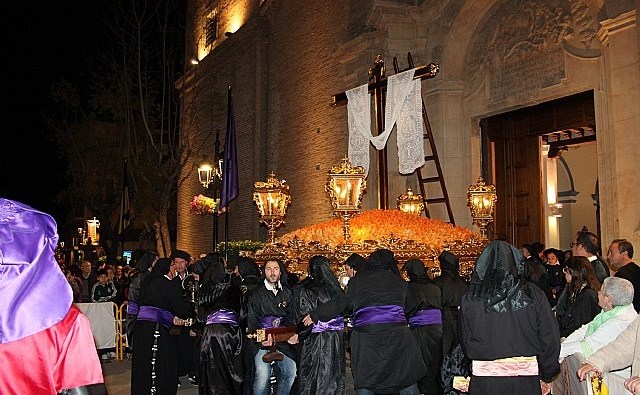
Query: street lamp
column 481, row 199
column 272, row 198
column 410, row 203
column 92, row 231
column 210, row 175
column 346, row 186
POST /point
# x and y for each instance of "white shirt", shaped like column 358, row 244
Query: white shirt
column 271, row 288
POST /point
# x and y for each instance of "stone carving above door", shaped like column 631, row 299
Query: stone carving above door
column 520, row 46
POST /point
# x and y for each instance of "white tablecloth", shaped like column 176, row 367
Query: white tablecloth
column 103, row 322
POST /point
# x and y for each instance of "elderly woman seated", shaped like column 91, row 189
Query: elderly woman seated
column 616, row 300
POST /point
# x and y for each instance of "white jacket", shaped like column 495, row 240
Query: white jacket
column 578, row 342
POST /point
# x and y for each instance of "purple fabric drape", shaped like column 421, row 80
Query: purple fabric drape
column 385, row 314
column 223, row 316
column 426, row 317
column 34, row 294
column 156, row 314
column 335, row 324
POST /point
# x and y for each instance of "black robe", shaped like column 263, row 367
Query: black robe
column 322, row 365
column 529, row 331
column 161, row 293
column 134, row 292
column 185, row 343
column 221, row 345
column 426, row 295
column 248, row 284
column 385, row 358
column 453, row 287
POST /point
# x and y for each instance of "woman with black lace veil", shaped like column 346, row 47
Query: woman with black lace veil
column 220, row 308
column 507, row 327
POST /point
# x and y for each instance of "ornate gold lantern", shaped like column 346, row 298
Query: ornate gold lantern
column 346, row 186
column 272, row 198
column 410, row 203
column 481, row 199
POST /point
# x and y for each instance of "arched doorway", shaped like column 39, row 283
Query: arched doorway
column 513, row 160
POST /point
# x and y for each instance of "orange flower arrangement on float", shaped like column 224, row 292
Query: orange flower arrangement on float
column 379, row 224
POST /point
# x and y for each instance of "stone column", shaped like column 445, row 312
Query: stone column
column 619, row 136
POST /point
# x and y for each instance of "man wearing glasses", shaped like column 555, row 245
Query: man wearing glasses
column 587, row 245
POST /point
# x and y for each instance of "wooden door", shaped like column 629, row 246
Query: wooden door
column 518, row 181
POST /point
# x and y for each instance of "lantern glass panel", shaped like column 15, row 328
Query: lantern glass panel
column 347, row 192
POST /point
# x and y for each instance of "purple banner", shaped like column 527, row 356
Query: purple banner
column 271, row 321
column 155, row 314
column 336, row 324
column 223, row 316
column 426, row 317
column 385, row 314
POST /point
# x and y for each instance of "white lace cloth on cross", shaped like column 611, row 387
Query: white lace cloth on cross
column 403, row 108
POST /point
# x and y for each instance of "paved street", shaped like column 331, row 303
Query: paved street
column 117, row 377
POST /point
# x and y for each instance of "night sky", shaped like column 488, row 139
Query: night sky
column 47, row 40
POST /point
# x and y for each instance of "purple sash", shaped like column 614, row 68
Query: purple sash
column 335, row 324
column 155, row 314
column 223, row 316
column 385, row 314
column 426, row 317
column 132, row 308
column 271, row 321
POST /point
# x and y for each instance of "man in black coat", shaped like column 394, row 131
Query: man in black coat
column 267, row 308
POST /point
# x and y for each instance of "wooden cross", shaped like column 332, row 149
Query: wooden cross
column 377, row 85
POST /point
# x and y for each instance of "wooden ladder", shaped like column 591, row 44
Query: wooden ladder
column 422, row 181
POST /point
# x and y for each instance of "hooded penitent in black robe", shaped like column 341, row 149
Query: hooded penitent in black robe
column 425, row 297
column 453, row 288
column 503, row 316
column 322, row 364
column 250, row 279
column 385, row 357
column 155, row 356
column 143, row 266
column 221, row 344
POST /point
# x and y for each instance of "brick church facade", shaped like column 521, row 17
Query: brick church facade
column 285, row 59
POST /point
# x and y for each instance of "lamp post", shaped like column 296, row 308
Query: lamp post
column 481, row 199
column 272, row 198
column 346, row 186
column 410, row 203
column 209, row 175
column 92, row 231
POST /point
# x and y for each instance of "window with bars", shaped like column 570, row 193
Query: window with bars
column 211, row 29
